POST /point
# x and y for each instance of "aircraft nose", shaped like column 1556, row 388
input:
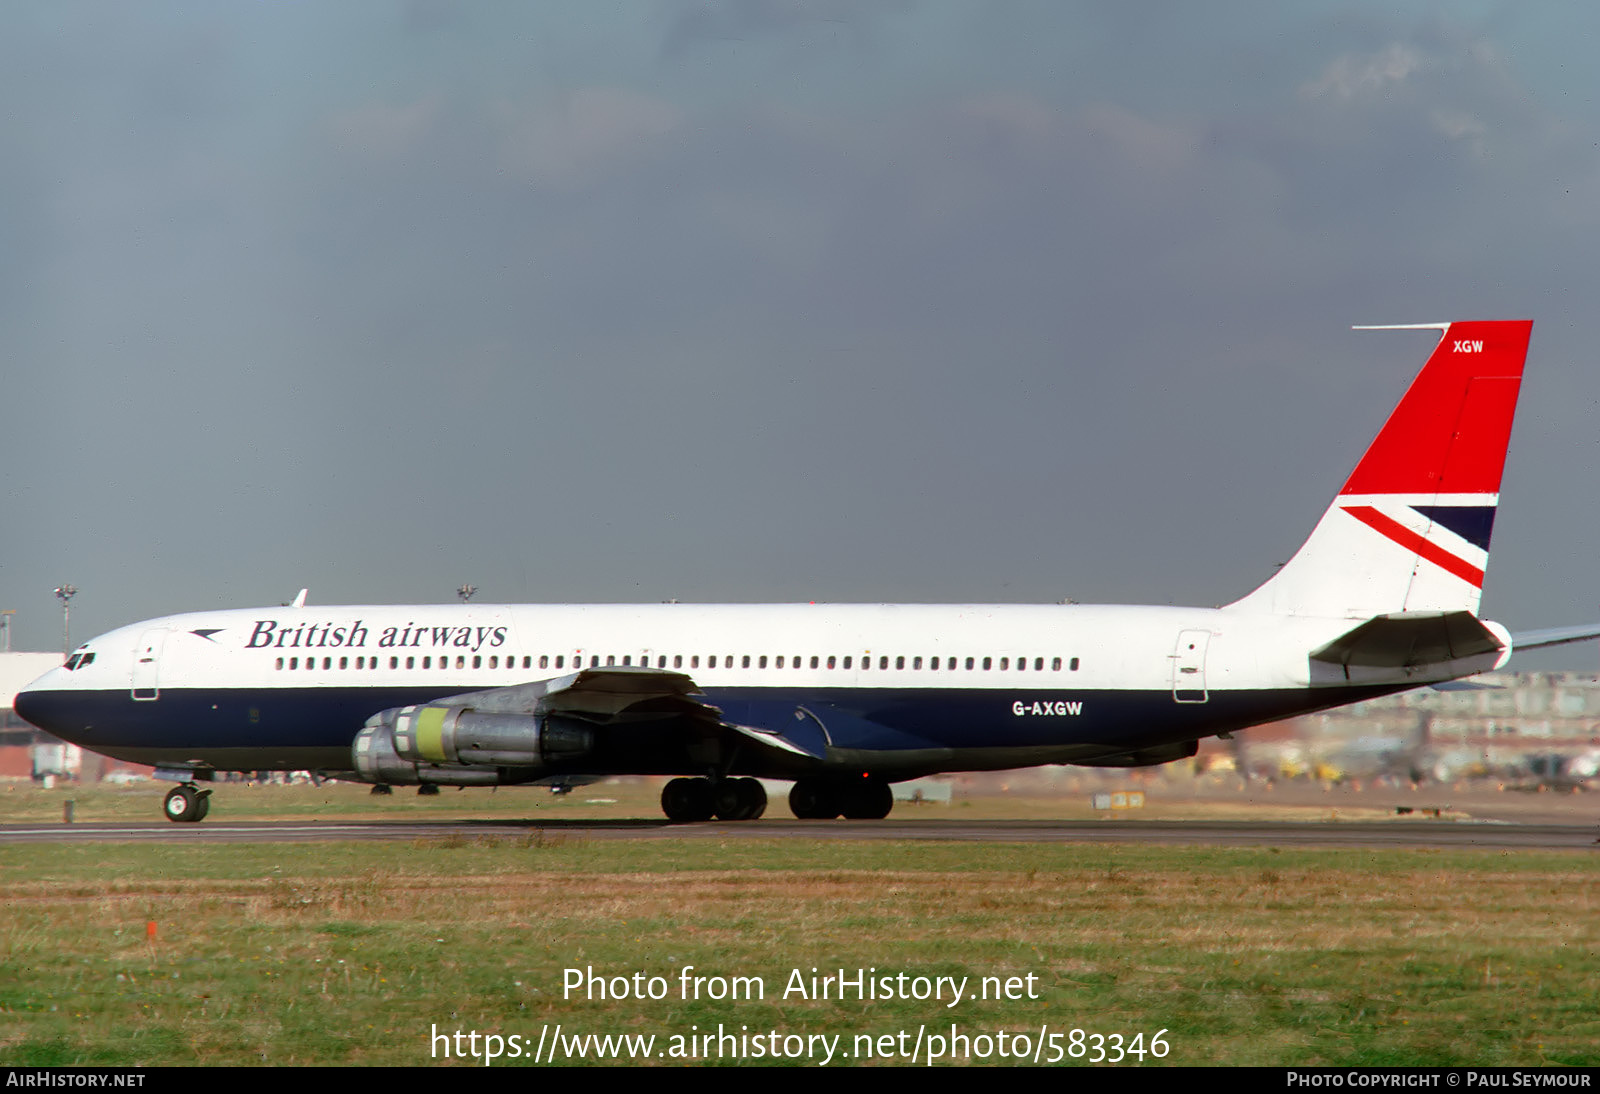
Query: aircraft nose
column 37, row 707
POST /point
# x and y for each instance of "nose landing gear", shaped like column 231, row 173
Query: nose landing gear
column 187, row 803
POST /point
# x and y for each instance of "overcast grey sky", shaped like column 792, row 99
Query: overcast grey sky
column 767, row 300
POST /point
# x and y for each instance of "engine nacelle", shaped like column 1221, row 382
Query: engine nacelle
column 453, row 745
column 460, row 735
column 377, row 762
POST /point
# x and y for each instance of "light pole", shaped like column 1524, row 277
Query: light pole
column 65, row 593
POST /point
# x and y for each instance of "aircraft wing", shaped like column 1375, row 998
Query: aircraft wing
column 1554, row 636
column 657, row 702
column 604, row 696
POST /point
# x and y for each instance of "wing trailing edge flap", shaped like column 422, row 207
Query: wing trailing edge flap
column 769, row 739
column 1410, row 639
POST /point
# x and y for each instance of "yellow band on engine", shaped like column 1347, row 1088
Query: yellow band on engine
column 429, row 727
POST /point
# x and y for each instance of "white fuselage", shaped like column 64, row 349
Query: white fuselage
column 946, row 686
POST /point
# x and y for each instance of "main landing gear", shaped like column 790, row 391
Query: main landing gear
column 685, row 800
column 857, row 799
column 187, row 803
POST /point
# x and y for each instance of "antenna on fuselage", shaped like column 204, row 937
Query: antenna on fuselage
column 300, row 599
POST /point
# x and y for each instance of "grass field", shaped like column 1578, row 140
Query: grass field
column 350, row 953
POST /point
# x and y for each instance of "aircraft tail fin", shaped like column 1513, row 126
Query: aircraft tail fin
column 1409, row 532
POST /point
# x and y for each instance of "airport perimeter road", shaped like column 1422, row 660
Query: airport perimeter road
column 1401, row 833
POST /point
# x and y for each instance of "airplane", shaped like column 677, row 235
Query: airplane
column 844, row 700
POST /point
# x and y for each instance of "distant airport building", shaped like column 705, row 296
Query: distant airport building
column 1531, row 709
column 21, row 746
column 1512, row 727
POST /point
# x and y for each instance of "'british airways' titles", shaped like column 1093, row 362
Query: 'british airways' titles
column 269, row 633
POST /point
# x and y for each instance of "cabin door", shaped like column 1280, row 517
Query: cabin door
column 1189, row 667
column 147, row 664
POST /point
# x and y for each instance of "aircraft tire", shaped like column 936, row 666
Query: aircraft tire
column 871, row 799
column 754, row 796
column 740, row 799
column 814, row 799
column 685, row 801
column 185, row 804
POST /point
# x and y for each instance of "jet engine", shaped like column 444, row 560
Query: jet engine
column 460, row 746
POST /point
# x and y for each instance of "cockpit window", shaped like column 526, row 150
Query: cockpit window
column 78, row 661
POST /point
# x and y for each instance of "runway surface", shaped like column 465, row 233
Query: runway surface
column 1417, row 834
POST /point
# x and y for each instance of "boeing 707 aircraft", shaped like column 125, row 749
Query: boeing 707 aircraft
column 842, row 699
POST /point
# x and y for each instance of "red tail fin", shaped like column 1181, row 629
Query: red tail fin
column 1410, row 529
column 1449, row 433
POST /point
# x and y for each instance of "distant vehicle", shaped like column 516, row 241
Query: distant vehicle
column 842, row 699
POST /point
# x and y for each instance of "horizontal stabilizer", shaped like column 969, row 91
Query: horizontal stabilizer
column 1554, row 636
column 1408, row 639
